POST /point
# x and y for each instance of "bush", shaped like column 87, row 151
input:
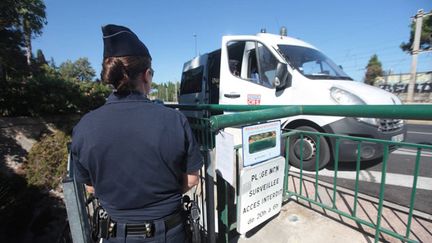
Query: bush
column 47, row 161
column 93, row 95
column 48, row 95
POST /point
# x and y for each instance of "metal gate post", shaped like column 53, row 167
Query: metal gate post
column 210, row 205
column 223, row 209
column 76, row 210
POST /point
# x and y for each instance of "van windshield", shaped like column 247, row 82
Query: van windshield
column 312, row 63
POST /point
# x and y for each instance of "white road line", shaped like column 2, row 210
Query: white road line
column 423, row 133
column 424, row 183
column 412, row 152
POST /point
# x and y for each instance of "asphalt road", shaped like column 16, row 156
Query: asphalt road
column 399, row 176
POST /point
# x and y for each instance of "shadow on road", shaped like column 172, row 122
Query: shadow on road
column 351, row 166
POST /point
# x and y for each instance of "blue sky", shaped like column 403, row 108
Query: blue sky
column 349, row 32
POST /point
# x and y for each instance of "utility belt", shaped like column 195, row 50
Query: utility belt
column 104, row 227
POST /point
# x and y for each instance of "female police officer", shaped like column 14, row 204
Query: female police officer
column 138, row 156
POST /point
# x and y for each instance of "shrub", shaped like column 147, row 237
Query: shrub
column 50, row 95
column 47, row 161
column 93, row 95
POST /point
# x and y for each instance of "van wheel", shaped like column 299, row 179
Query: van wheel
column 310, row 150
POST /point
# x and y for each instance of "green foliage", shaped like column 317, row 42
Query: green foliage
column 165, row 91
column 425, row 37
column 50, row 95
column 52, row 90
column 67, row 70
column 12, row 58
column 373, row 70
column 84, row 70
column 47, row 161
column 93, row 95
column 20, row 20
column 80, row 70
column 40, row 57
column 32, row 16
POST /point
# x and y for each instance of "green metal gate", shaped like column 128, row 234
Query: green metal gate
column 225, row 197
column 218, row 199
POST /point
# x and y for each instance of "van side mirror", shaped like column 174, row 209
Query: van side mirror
column 283, row 77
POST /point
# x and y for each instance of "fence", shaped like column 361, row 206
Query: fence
column 227, row 196
column 216, row 196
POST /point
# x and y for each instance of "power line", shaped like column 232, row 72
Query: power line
column 375, row 45
column 375, row 25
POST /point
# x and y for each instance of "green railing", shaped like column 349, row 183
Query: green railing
column 353, row 214
column 205, row 128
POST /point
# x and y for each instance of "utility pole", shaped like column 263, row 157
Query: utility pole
column 418, row 19
column 195, row 37
column 175, row 91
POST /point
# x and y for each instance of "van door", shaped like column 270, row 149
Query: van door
column 248, row 69
column 192, row 87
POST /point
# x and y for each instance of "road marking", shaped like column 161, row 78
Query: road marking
column 412, row 152
column 424, row 183
column 423, row 133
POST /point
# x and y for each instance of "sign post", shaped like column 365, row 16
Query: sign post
column 262, row 176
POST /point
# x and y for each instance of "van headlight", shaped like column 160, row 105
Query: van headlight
column 344, row 97
column 372, row 121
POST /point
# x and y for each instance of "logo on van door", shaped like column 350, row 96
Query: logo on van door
column 253, row 99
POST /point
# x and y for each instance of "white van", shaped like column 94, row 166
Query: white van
column 268, row 69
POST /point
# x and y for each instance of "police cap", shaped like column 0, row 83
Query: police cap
column 121, row 41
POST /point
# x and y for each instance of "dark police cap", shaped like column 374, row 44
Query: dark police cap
column 121, row 41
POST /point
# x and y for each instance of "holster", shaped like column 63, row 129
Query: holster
column 103, row 227
column 192, row 220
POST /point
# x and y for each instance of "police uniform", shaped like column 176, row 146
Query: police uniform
column 135, row 153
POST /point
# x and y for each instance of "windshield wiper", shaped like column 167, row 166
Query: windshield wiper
column 324, row 76
column 343, row 78
column 319, row 76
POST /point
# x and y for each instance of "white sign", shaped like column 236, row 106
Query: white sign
column 261, row 189
column 261, row 142
column 225, row 156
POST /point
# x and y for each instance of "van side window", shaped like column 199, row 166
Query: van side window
column 192, row 81
column 252, row 61
column 253, row 73
column 267, row 64
column 235, row 57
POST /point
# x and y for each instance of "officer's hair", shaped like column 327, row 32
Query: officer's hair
column 123, row 72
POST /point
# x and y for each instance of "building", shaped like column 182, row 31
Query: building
column 398, row 84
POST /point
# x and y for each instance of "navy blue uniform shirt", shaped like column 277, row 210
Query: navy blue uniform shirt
column 134, row 153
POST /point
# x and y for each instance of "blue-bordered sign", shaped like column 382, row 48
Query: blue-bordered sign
column 261, row 142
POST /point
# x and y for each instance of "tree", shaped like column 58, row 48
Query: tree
column 425, row 37
column 12, row 59
column 67, row 70
column 8, row 15
column 373, row 70
column 11, row 41
column 32, row 19
column 80, row 70
column 19, row 21
column 165, row 91
column 84, row 71
column 40, row 57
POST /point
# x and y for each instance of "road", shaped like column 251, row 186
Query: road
column 399, row 176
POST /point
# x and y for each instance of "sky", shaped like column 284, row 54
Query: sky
column 349, row 32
